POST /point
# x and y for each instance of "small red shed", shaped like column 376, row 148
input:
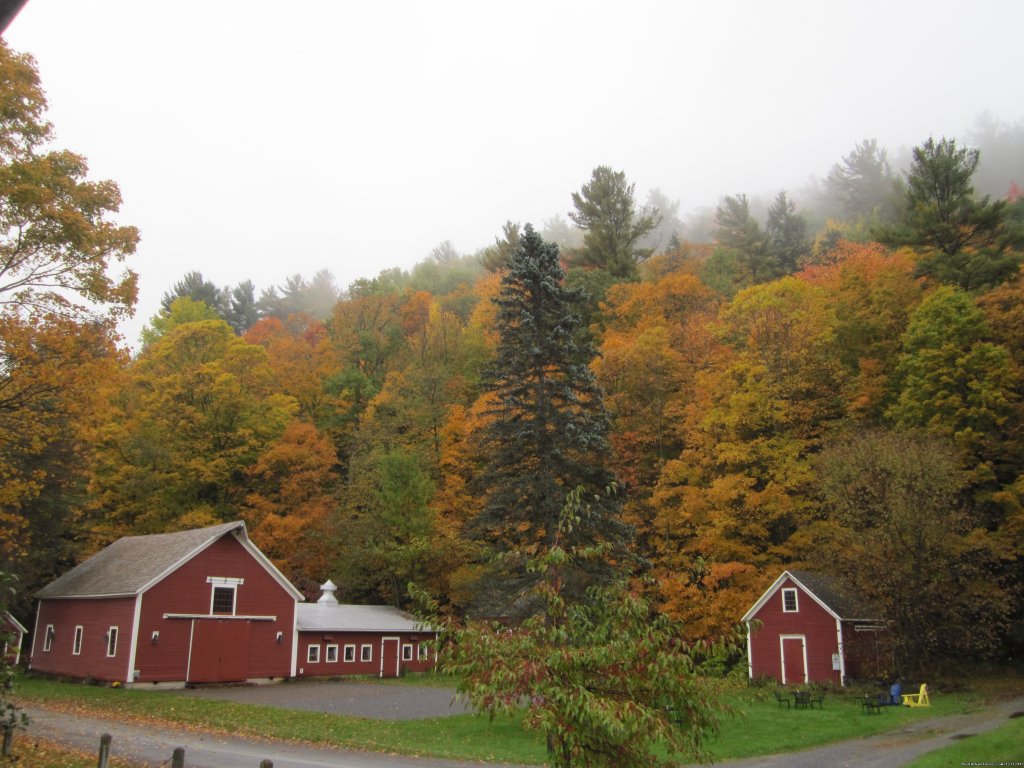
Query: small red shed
column 809, row 628
column 199, row 606
column 380, row 640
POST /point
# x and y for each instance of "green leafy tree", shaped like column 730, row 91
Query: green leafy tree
column 606, row 212
column 549, row 428
column 604, row 678
column 969, row 242
column 180, row 311
column 900, row 534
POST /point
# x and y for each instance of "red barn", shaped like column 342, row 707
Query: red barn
column 200, row 606
column 360, row 639
column 808, row 628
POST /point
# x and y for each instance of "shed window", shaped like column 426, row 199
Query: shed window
column 112, row 641
column 407, row 652
column 789, row 604
column 76, row 649
column 366, row 653
column 350, row 653
column 331, row 656
column 313, row 654
column 223, row 600
column 424, row 650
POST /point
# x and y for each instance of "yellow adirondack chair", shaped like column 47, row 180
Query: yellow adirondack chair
column 919, row 699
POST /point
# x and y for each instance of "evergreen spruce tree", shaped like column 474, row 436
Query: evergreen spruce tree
column 548, row 434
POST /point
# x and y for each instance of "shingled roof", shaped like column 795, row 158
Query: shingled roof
column 838, row 598
column 133, row 563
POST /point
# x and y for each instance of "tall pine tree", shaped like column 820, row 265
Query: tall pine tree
column 547, row 434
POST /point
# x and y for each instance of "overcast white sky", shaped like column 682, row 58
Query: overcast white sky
column 258, row 139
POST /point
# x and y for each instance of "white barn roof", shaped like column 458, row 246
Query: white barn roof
column 326, row 617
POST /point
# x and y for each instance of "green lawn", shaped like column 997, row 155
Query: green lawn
column 757, row 726
column 1003, row 746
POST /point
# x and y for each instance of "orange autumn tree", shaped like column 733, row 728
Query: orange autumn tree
column 729, row 507
column 291, row 508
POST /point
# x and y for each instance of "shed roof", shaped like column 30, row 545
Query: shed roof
column 132, row 564
column 321, row 617
column 830, row 592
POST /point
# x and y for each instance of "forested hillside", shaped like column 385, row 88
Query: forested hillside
column 833, row 382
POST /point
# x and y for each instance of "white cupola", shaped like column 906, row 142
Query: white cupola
column 328, row 598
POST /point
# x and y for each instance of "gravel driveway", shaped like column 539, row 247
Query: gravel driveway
column 341, row 697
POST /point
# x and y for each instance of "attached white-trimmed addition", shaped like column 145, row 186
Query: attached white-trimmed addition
column 112, row 642
column 790, row 603
column 223, row 594
column 793, row 676
column 331, row 654
column 366, row 653
column 76, row 648
column 313, row 654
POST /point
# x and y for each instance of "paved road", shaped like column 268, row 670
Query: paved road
column 341, row 697
column 151, row 746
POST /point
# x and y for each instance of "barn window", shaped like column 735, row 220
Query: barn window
column 789, row 604
column 407, row 652
column 350, row 653
column 76, row 649
column 48, row 638
column 112, row 641
column 367, row 653
column 313, row 654
column 223, row 600
column 331, row 656
column 424, row 652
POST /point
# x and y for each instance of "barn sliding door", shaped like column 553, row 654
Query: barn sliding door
column 793, row 649
column 220, row 651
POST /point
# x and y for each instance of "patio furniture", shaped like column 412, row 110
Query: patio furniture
column 782, row 699
column 919, row 699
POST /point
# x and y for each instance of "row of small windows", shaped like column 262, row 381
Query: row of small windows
column 76, row 644
column 365, row 653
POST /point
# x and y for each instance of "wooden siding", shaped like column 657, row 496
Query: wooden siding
column 811, row 621
column 186, row 591
column 375, row 640
column 95, row 616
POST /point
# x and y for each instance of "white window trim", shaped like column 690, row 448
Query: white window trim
column 327, row 654
column 406, row 651
column 313, row 654
column 224, row 582
column 366, row 653
column 350, row 653
column 112, row 642
column 424, row 652
column 76, row 643
column 48, row 638
column 796, row 600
